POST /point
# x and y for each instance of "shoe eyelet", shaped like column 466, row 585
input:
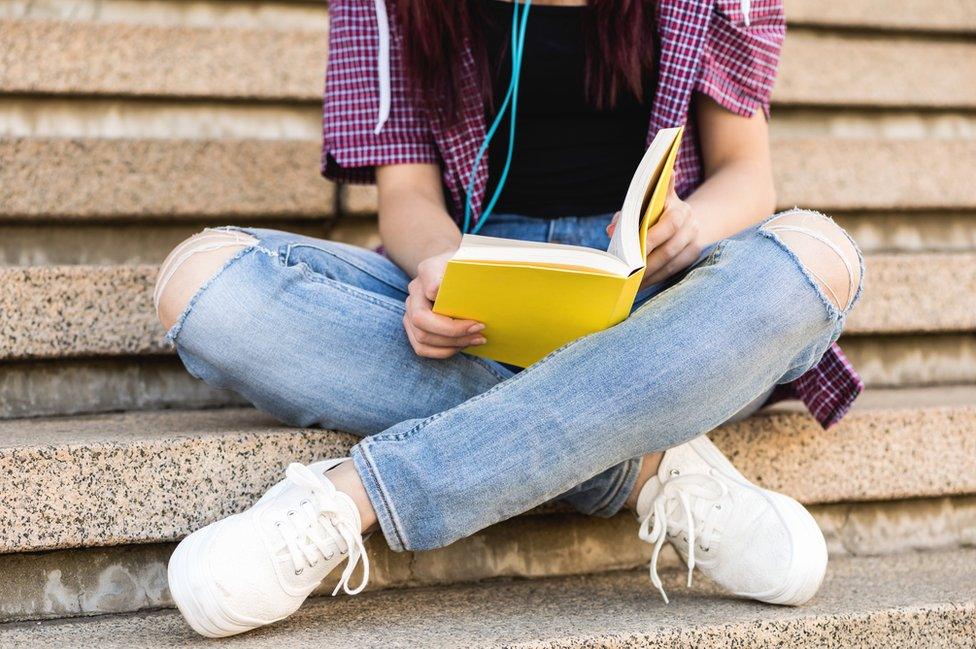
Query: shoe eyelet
column 330, row 556
column 684, row 538
column 718, row 506
column 291, row 512
column 703, row 549
column 674, row 472
column 344, row 552
column 305, row 502
column 312, row 565
column 279, row 523
column 299, row 571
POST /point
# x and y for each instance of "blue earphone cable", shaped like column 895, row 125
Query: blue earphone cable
column 519, row 24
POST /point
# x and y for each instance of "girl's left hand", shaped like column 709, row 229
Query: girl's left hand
column 673, row 241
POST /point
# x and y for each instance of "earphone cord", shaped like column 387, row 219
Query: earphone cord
column 519, row 24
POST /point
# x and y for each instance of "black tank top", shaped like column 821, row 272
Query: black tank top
column 570, row 159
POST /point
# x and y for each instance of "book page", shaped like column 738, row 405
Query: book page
column 625, row 243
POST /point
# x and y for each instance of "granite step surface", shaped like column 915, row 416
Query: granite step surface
column 286, row 63
column 920, row 600
column 128, row 578
column 155, row 476
column 132, row 178
column 52, row 312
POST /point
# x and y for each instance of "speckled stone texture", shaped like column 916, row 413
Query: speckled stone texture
column 92, row 58
column 129, row 578
column 921, row 600
column 885, row 14
column 125, row 178
column 917, row 293
column 830, row 69
column 62, row 311
column 133, row 179
column 148, row 477
column 287, row 64
column 869, row 174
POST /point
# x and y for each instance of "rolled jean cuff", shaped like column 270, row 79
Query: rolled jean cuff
column 378, row 497
column 621, row 485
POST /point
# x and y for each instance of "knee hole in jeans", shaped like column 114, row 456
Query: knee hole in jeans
column 825, row 251
column 190, row 265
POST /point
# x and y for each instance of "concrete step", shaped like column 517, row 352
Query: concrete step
column 120, row 58
column 922, row 600
column 75, row 311
column 94, row 385
column 274, row 64
column 913, row 360
column 106, row 178
column 121, row 579
column 882, row 15
column 825, row 69
column 137, row 241
column 154, row 476
column 146, row 242
column 124, row 179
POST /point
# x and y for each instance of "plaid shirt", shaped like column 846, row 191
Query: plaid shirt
column 708, row 46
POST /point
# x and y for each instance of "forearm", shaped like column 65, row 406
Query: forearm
column 736, row 196
column 413, row 220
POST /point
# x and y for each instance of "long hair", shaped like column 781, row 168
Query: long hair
column 618, row 43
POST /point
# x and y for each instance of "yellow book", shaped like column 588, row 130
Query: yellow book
column 535, row 297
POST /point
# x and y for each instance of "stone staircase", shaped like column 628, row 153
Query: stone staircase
column 127, row 126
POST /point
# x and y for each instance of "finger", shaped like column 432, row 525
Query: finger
column 425, row 350
column 660, row 256
column 613, row 223
column 434, row 340
column 685, row 258
column 661, row 231
column 429, row 283
column 421, row 317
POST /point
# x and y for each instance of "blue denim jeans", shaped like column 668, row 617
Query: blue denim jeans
column 310, row 331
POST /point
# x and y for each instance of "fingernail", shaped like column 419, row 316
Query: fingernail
column 475, row 328
column 479, row 341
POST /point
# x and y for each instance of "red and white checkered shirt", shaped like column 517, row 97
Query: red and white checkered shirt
column 707, row 46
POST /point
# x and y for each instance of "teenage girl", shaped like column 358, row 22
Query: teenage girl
column 737, row 308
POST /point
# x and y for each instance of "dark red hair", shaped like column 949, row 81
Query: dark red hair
column 618, row 40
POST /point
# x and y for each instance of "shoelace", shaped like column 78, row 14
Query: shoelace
column 681, row 489
column 338, row 532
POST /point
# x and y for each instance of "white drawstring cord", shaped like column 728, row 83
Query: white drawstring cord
column 352, row 540
column 746, row 8
column 682, row 488
column 383, row 64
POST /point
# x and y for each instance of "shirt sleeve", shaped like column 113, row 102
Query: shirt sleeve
column 740, row 60
column 351, row 149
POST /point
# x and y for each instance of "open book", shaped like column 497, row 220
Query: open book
column 535, row 297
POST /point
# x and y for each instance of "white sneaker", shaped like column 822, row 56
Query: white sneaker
column 753, row 542
column 257, row 567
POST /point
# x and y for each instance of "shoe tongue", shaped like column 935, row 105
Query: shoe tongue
column 646, row 497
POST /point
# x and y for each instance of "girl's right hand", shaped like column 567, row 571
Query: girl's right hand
column 433, row 335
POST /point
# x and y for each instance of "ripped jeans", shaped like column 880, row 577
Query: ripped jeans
column 310, row 331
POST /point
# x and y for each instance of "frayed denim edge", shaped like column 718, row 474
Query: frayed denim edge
column 174, row 331
column 834, row 312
